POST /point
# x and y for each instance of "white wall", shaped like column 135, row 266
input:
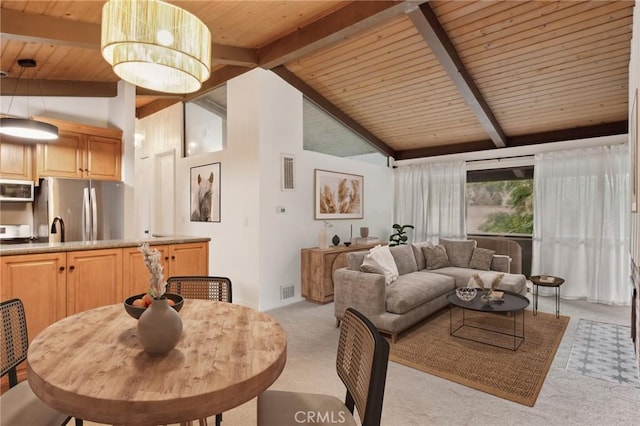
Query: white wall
column 91, row 111
column 258, row 248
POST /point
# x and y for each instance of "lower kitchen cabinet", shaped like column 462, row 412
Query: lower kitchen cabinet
column 39, row 280
column 177, row 259
column 94, row 278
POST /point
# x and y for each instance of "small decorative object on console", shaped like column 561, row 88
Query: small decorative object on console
column 466, row 293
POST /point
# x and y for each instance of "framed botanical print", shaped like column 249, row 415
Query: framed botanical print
column 338, row 195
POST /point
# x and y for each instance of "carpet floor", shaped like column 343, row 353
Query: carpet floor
column 513, row 375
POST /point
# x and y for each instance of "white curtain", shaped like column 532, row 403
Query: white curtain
column 580, row 232
column 431, row 197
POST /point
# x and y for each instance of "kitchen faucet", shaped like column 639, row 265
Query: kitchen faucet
column 54, row 230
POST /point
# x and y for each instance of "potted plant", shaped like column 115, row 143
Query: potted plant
column 400, row 236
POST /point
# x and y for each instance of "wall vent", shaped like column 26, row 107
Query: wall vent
column 288, row 172
column 286, row 291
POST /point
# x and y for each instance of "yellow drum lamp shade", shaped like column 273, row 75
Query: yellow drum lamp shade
column 156, row 45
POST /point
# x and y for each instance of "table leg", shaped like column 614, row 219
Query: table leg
column 558, row 302
column 535, row 299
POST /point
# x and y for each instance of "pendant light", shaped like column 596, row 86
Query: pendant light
column 156, row 45
column 26, row 128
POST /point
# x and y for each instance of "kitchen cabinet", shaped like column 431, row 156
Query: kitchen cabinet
column 317, row 266
column 177, row 259
column 94, row 278
column 81, row 151
column 16, row 161
column 39, row 280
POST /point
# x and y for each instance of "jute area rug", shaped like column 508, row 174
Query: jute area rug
column 514, row 375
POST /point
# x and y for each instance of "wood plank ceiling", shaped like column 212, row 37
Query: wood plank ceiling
column 414, row 78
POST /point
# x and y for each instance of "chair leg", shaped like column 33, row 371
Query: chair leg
column 218, row 419
column 79, row 422
column 337, row 322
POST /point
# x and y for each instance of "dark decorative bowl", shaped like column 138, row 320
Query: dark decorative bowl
column 347, row 244
column 136, row 311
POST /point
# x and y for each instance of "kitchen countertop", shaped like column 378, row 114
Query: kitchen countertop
column 35, row 248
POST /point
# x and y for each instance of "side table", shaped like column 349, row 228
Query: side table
column 546, row 281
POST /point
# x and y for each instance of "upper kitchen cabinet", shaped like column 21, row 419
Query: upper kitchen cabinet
column 81, row 151
column 16, row 161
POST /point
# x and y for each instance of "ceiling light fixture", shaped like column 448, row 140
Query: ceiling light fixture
column 26, row 128
column 156, row 45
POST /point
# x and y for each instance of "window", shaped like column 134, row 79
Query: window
column 500, row 201
column 205, row 123
column 325, row 134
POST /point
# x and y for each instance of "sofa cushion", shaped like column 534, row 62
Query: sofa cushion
column 481, row 259
column 404, row 258
column 419, row 254
column 435, row 257
column 355, row 258
column 414, row 289
column 380, row 258
column 459, row 251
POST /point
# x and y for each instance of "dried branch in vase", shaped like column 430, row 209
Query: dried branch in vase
column 152, row 260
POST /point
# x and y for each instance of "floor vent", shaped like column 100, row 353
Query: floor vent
column 286, row 291
column 288, row 173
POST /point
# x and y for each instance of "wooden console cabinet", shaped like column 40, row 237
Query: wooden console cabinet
column 317, row 268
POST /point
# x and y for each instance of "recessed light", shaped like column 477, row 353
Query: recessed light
column 4, row 74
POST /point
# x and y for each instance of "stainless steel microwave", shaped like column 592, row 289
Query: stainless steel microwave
column 16, row 190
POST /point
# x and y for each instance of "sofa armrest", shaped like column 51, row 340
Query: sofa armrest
column 363, row 291
column 501, row 263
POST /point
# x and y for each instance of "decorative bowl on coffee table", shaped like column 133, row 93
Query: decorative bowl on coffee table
column 466, row 293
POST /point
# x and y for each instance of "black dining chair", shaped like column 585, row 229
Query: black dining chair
column 361, row 363
column 19, row 405
column 202, row 287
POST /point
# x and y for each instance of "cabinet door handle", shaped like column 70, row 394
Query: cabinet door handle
column 166, row 258
column 173, row 257
column 61, row 268
column 71, row 268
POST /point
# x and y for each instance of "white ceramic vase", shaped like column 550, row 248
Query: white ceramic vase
column 323, row 239
column 159, row 328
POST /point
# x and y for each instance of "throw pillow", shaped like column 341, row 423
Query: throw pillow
column 435, row 257
column 404, row 259
column 382, row 256
column 481, row 259
column 370, row 265
column 419, row 255
column 459, row 251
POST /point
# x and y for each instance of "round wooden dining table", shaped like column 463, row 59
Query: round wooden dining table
column 91, row 366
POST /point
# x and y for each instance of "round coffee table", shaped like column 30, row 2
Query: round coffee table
column 546, row 281
column 512, row 303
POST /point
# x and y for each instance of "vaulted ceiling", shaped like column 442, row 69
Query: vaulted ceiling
column 414, row 78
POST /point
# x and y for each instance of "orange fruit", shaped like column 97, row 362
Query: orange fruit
column 147, row 299
column 139, row 303
column 171, row 302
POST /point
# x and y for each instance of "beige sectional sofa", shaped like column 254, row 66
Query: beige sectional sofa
column 421, row 287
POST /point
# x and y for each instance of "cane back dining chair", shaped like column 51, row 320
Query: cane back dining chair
column 202, row 287
column 19, row 405
column 361, row 364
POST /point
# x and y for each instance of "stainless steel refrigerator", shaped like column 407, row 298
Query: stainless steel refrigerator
column 87, row 210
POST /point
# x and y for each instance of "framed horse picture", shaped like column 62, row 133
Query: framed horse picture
column 205, row 193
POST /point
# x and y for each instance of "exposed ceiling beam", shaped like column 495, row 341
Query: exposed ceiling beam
column 32, row 87
column 338, row 26
column 30, row 27
column 427, row 24
column 332, row 110
column 576, row 133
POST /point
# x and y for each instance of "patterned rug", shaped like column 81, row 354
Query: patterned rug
column 604, row 351
column 514, row 375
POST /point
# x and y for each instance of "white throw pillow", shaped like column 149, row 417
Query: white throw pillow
column 383, row 257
